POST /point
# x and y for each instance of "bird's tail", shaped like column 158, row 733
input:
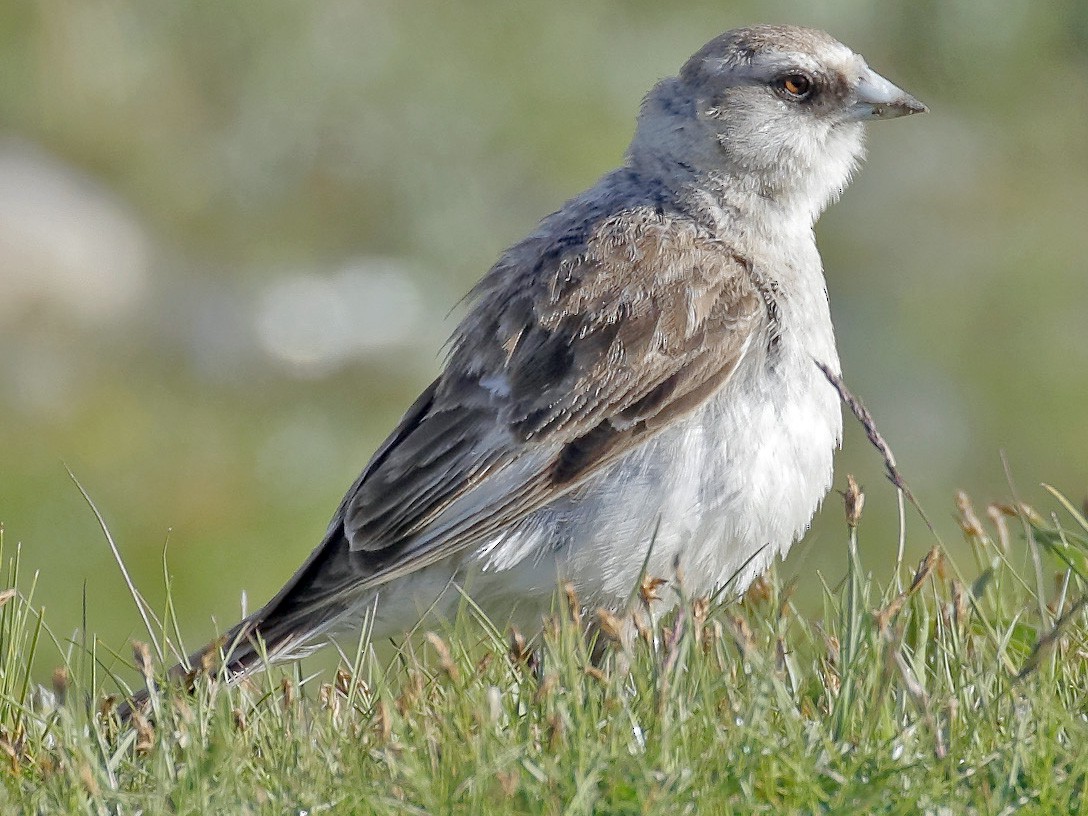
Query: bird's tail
column 309, row 605
column 248, row 647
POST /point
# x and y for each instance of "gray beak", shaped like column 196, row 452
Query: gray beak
column 876, row 98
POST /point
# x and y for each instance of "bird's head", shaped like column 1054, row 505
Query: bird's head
column 778, row 110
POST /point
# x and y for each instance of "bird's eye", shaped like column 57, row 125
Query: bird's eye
column 795, row 86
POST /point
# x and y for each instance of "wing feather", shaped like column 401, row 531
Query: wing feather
column 567, row 360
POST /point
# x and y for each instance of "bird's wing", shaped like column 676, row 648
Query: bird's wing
column 579, row 347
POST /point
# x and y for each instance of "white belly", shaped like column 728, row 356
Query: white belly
column 721, row 493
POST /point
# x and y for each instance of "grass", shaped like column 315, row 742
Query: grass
column 960, row 692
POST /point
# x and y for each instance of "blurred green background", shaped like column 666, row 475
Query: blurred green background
column 231, row 234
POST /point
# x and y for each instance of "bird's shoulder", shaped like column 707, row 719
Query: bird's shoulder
column 626, row 284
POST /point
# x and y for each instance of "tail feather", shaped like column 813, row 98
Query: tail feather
column 309, row 605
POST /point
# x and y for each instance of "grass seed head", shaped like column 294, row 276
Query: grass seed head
column 647, row 589
column 383, row 721
column 8, row 749
column 781, row 654
column 959, row 603
column 574, row 606
column 343, row 682
column 610, row 626
column 885, row 616
column 700, row 609
column 106, row 706
column 968, row 519
column 1000, row 522
column 508, row 782
column 547, row 686
column 759, row 591
column 445, row 659
column 595, row 673
column 483, row 663
column 287, row 694
column 145, row 733
column 930, row 562
column 141, row 654
column 853, row 500
column 518, row 651
column 90, row 784
column 834, row 650
column 742, row 635
column 209, row 659
column 60, row 684
column 556, row 729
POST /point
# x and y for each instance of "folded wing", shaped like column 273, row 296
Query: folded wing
column 580, row 346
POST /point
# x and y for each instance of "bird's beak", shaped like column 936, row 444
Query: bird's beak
column 876, row 98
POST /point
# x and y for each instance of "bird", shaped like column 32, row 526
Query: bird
column 635, row 387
